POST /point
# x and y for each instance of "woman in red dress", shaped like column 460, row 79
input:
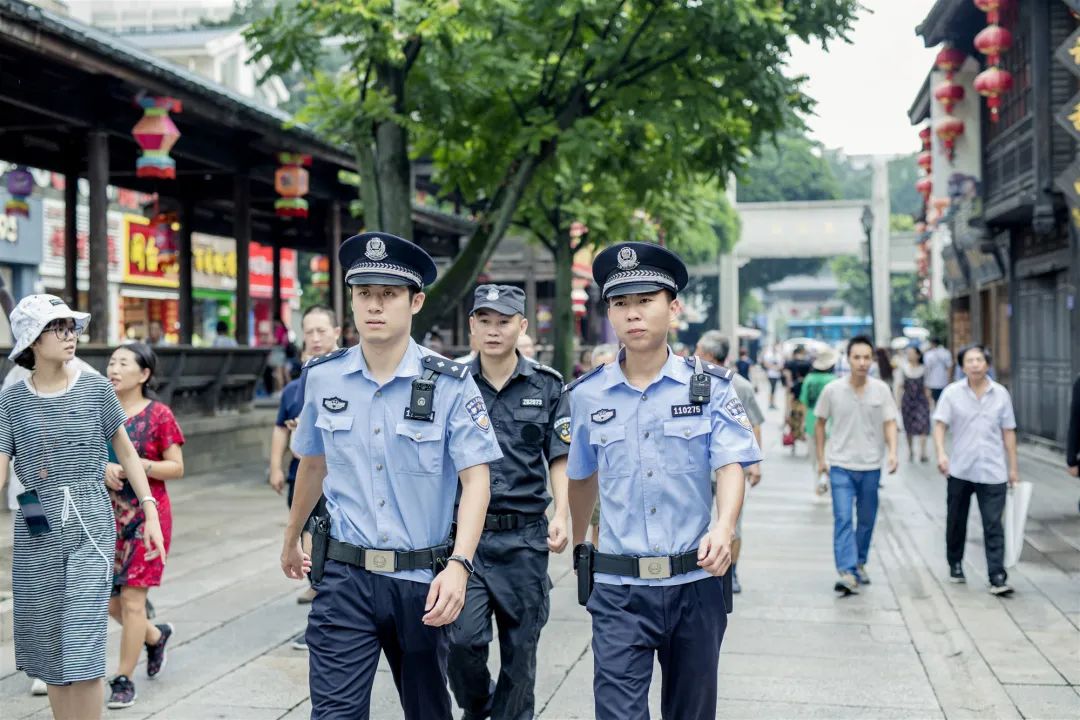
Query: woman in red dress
column 157, row 438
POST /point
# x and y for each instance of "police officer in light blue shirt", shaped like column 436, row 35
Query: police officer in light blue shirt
column 387, row 431
column 649, row 432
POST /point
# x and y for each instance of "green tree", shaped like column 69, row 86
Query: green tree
column 792, row 168
column 853, row 277
column 490, row 88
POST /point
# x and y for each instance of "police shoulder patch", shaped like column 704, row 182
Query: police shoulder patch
column 711, row 368
column 443, row 366
column 333, row 355
column 562, row 429
column 478, row 413
column 573, row 384
column 735, row 409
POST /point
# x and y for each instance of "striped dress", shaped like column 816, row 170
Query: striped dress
column 61, row 580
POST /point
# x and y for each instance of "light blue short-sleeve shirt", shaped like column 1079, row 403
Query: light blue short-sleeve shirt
column 656, row 454
column 391, row 481
column 978, row 448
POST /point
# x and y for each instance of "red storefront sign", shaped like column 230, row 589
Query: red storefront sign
column 262, row 271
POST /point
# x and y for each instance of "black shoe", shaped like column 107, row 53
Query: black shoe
column 956, row 573
column 155, row 654
column 122, row 693
column 846, row 585
column 999, row 586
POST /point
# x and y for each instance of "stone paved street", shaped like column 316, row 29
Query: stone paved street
column 911, row 645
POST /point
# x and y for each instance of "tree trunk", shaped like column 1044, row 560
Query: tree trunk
column 392, row 160
column 562, row 321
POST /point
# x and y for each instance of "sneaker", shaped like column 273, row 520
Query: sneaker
column 299, row 642
column 39, row 688
column 735, row 586
column 155, row 654
column 306, row 597
column 998, row 586
column 956, row 573
column 861, row 576
column 846, row 585
column 122, row 694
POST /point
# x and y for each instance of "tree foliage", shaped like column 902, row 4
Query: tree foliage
column 792, row 168
column 490, row 89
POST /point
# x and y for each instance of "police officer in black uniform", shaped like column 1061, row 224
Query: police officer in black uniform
column 531, row 419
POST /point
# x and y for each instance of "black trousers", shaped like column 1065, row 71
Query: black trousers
column 991, row 507
column 511, row 583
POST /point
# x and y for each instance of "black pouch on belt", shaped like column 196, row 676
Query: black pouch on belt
column 583, row 564
column 729, row 594
column 320, row 541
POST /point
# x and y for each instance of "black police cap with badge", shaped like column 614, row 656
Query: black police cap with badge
column 503, row 299
column 378, row 258
column 631, row 268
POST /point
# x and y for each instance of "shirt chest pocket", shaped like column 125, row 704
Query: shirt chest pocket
column 529, row 425
column 419, row 449
column 612, row 453
column 686, row 444
column 335, row 431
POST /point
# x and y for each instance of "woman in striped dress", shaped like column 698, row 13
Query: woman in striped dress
column 55, row 426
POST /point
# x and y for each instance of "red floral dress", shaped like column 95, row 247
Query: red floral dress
column 152, row 432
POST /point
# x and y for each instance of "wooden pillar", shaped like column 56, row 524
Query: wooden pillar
column 71, row 238
column 98, row 174
column 337, row 277
column 187, row 313
column 242, row 233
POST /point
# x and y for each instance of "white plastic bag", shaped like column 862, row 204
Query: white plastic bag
column 1016, row 509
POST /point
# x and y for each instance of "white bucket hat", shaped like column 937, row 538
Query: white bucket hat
column 33, row 313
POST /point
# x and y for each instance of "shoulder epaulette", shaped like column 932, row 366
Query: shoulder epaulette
column 443, row 366
column 333, row 355
column 548, row 370
column 574, row 383
column 711, row 368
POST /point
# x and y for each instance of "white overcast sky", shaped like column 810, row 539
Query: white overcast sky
column 864, row 89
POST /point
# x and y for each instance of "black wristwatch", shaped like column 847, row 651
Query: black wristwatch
column 466, row 563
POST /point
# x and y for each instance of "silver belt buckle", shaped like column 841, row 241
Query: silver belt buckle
column 380, row 561
column 654, row 568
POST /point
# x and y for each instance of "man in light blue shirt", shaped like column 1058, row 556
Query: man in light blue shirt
column 386, row 432
column 648, row 433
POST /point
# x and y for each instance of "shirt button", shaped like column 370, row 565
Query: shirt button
column 384, row 538
column 652, row 511
column 378, row 466
column 378, row 430
column 419, row 435
column 378, row 393
column 649, row 474
column 381, row 503
column 646, row 433
column 603, row 438
column 686, row 433
column 644, row 397
column 656, row 548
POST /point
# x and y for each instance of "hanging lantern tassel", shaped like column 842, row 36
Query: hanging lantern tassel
column 992, row 83
column 924, row 136
column 291, row 183
column 992, row 8
column 20, row 184
column 948, row 128
column 156, row 134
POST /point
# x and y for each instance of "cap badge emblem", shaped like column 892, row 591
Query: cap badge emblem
column 493, row 294
column 376, row 249
column 627, row 259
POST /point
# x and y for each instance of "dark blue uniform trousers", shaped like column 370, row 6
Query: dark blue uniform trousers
column 683, row 624
column 511, row 582
column 353, row 616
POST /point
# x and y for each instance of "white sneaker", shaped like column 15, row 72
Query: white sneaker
column 39, row 688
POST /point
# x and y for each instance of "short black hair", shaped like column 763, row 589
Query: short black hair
column 222, row 327
column 328, row 312
column 25, row 359
column 860, row 340
column 975, row 346
column 146, row 359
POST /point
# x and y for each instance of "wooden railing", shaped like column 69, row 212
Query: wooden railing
column 191, row 380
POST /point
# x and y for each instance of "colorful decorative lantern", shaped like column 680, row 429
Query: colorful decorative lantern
column 20, row 184
column 992, row 83
column 924, row 136
column 948, row 94
column 992, row 41
column 949, row 61
column 291, row 183
column 992, row 8
column 156, row 134
column 579, row 301
column 925, row 187
column 925, row 160
column 948, row 128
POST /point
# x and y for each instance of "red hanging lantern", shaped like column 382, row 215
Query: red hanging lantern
column 156, row 134
column 291, row 183
column 925, row 186
column 992, row 41
column 925, row 160
column 20, row 184
column 924, row 136
column 948, row 128
column 992, row 8
column 948, row 94
column 949, row 61
column 992, row 83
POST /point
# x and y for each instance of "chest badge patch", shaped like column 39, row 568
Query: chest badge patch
column 602, row 416
column 478, row 413
column 532, row 402
column 685, row 410
column 562, row 429
column 737, row 412
column 335, row 404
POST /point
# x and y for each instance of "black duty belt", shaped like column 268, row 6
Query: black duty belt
column 649, row 568
column 511, row 522
column 387, row 561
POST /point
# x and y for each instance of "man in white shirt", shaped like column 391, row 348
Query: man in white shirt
column 937, row 361
column 863, row 414
column 979, row 412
